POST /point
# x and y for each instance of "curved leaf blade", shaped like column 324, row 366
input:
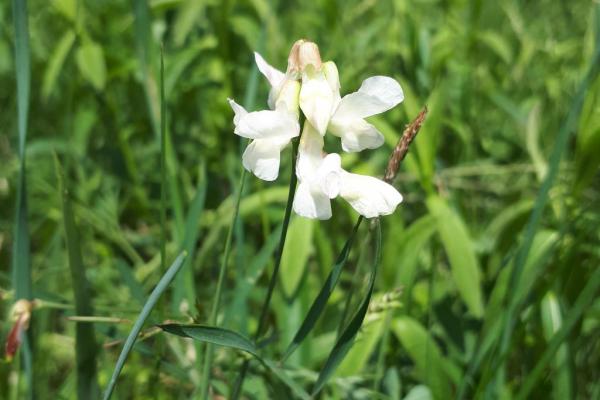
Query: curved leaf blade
column 346, row 339
column 317, row 307
column 213, row 335
column 137, row 327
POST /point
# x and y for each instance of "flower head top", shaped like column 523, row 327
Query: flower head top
column 313, row 86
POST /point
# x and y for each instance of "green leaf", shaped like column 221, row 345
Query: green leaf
column 588, row 138
column 425, row 353
column 585, row 298
column 297, row 249
column 21, row 259
column 57, row 60
column 365, row 344
column 231, row 339
column 85, row 341
column 461, row 254
column 139, row 323
column 320, row 302
column 214, row 335
column 91, row 64
column 346, row 338
column 552, row 320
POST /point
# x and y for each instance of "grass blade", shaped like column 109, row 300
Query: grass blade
column 137, row 327
column 264, row 312
column 163, row 167
column 21, row 267
column 586, row 297
column 85, row 341
column 217, row 299
column 542, row 198
column 214, row 335
column 232, row 339
column 344, row 343
column 317, row 307
column 461, row 254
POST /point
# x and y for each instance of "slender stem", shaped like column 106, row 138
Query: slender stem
column 217, row 301
column 264, row 312
column 163, row 167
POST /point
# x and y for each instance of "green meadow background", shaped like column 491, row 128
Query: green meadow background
column 489, row 279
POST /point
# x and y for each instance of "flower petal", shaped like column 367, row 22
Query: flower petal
column 369, row 196
column 356, row 134
column 328, row 175
column 267, row 124
column 376, row 95
column 261, row 157
column 309, row 204
column 238, row 111
column 273, row 75
column 310, row 153
column 316, row 98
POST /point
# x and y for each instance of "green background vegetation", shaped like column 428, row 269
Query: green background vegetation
column 488, row 285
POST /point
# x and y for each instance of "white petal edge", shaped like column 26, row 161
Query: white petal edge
column 377, row 94
column 369, row 196
column 262, row 157
column 329, row 175
column 316, row 99
column 311, row 205
column 267, row 124
column 238, row 111
column 273, row 75
column 356, row 134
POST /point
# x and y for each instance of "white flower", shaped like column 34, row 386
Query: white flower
column 321, row 178
column 275, row 77
column 376, row 95
column 271, row 130
column 318, row 176
column 370, row 197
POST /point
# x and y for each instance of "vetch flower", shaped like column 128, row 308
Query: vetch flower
column 313, row 87
column 318, row 176
column 271, row 130
column 376, row 95
column 321, row 178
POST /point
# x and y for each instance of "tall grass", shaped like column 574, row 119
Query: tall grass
column 487, row 284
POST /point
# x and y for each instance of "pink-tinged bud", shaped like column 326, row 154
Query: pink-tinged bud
column 303, row 54
column 21, row 314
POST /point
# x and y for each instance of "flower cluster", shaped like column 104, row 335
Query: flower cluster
column 313, row 87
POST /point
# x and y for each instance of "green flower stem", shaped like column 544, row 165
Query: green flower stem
column 262, row 321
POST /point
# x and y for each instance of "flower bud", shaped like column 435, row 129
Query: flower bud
column 303, row 54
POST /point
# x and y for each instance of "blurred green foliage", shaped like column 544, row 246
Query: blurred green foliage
column 499, row 78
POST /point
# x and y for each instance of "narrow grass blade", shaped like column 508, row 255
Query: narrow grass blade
column 264, row 312
column 184, row 283
column 461, row 254
column 587, row 296
column 214, row 335
column 204, row 383
column 344, row 343
column 137, row 327
column 542, row 198
column 85, row 341
column 317, row 307
column 163, row 167
column 232, row 339
column 21, row 254
column 21, row 267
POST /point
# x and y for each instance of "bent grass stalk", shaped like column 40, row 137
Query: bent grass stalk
column 139, row 323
